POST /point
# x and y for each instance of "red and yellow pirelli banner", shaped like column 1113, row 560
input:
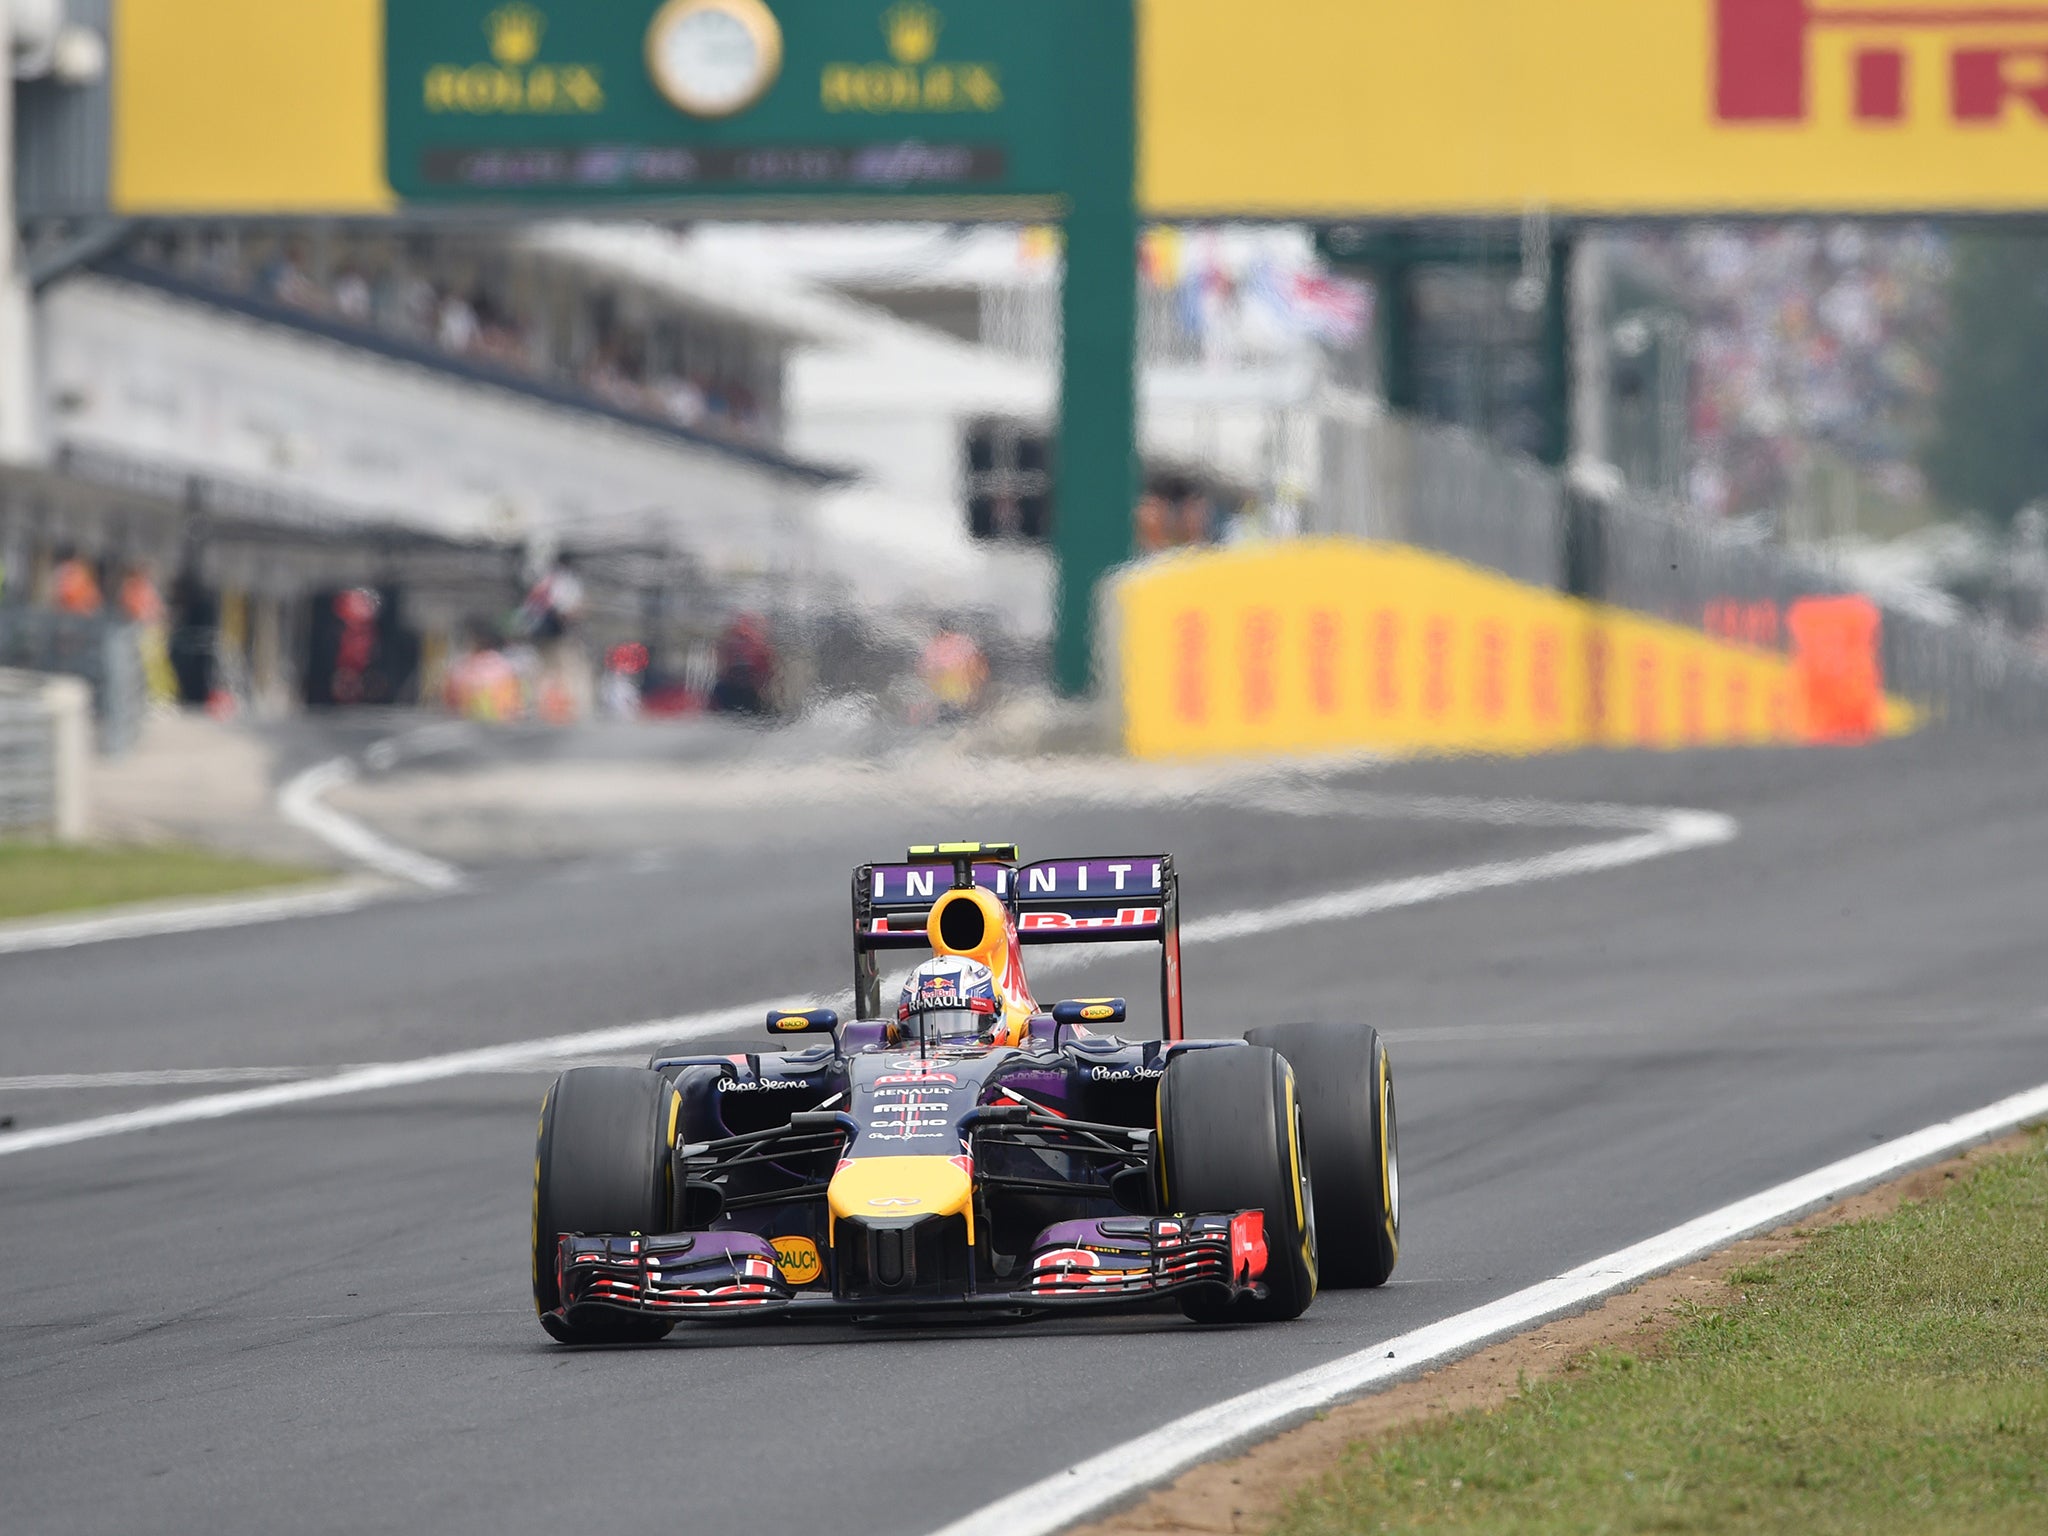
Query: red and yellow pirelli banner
column 1420, row 107
column 1316, row 108
column 1333, row 644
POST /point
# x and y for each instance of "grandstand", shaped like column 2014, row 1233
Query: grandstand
column 273, row 386
column 273, row 411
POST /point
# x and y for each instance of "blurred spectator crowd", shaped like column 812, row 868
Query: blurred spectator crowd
column 1806, row 340
column 81, row 589
column 481, row 304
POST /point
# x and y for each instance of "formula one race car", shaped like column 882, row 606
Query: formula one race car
column 971, row 1149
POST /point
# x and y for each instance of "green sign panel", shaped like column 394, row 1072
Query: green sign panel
column 958, row 104
column 496, row 100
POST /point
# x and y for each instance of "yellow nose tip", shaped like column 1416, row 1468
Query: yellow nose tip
column 879, row 1187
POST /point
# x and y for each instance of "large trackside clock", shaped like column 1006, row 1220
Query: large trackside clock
column 712, row 58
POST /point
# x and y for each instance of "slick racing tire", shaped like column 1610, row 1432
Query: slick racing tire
column 601, row 1165
column 1347, row 1102
column 1230, row 1140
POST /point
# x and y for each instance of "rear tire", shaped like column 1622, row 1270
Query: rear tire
column 601, row 1165
column 1230, row 1140
column 1347, row 1100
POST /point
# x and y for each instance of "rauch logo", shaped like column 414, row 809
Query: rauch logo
column 1990, row 54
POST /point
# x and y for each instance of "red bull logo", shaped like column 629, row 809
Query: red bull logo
column 1979, row 61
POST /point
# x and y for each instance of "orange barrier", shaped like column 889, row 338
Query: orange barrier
column 1835, row 657
column 1327, row 644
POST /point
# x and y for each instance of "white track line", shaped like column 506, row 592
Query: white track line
column 1122, row 1472
column 193, row 916
column 1675, row 832
column 396, row 1074
column 1296, row 799
column 174, row 1077
column 301, row 804
column 152, row 1077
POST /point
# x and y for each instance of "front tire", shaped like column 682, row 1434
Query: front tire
column 1230, row 1131
column 601, row 1165
column 1347, row 1100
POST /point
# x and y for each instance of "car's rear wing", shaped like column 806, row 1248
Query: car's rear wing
column 1125, row 899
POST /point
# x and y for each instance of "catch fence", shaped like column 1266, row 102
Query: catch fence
column 104, row 653
column 1444, row 489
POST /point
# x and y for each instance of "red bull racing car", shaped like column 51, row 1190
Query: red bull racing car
column 971, row 1148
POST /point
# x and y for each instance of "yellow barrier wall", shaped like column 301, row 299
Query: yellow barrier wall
column 1462, row 107
column 1324, row 644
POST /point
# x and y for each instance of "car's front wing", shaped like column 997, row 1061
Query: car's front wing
column 690, row 1275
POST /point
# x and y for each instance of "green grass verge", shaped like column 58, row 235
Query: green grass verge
column 1890, row 1376
column 41, row 878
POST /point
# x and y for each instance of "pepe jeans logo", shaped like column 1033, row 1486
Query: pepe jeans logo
column 512, row 84
column 913, row 80
column 1973, row 62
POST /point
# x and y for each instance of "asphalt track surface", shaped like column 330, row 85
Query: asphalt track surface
column 316, row 1319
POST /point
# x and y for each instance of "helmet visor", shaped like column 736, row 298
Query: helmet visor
column 949, row 1023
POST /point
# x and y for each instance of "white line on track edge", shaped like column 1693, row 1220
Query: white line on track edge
column 301, row 804
column 1119, row 1474
column 1673, row 831
column 199, row 916
column 381, row 1075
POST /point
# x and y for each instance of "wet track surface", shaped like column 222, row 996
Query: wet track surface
column 316, row 1318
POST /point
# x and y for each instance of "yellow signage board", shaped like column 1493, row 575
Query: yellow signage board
column 1316, row 108
column 1318, row 645
column 1448, row 107
column 248, row 106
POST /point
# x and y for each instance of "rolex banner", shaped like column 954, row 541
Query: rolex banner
column 519, row 99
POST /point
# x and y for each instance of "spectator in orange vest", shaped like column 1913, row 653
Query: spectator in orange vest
column 140, row 601
column 73, row 586
column 143, row 606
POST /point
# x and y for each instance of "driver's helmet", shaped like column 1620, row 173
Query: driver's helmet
column 950, row 998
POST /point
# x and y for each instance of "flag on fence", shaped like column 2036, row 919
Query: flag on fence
column 1332, row 309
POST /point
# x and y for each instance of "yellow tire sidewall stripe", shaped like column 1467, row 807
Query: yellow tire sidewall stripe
column 538, row 1132
column 1386, row 1090
column 1308, row 1255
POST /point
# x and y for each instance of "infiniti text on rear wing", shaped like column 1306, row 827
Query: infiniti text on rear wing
column 1110, row 900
